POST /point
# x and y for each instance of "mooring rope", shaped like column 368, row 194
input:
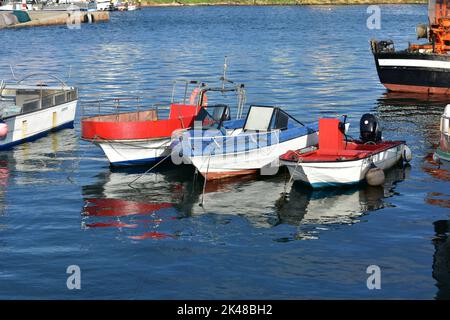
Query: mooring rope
column 292, row 175
column 161, row 161
column 204, row 183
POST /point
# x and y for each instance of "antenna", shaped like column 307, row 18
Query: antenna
column 225, row 67
column 12, row 72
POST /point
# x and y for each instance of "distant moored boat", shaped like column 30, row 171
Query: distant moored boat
column 443, row 151
column 29, row 111
column 421, row 68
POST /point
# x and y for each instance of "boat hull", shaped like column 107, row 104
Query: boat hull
column 442, row 155
column 31, row 126
column 135, row 152
column 248, row 162
column 414, row 72
column 338, row 173
column 136, row 138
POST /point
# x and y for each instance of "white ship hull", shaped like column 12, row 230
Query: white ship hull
column 33, row 125
column 103, row 5
column 135, row 152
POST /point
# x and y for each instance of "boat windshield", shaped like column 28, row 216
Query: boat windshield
column 266, row 118
column 213, row 116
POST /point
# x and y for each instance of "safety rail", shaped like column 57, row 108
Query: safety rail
column 115, row 107
column 50, row 100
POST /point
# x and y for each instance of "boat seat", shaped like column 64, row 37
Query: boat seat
column 331, row 138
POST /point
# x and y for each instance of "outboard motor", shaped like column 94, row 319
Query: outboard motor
column 370, row 130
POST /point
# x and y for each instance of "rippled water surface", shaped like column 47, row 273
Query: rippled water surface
column 62, row 205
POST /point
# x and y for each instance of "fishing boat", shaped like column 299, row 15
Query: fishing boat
column 29, row 110
column 103, row 5
column 443, row 151
column 421, row 68
column 132, row 6
column 339, row 160
column 10, row 5
column 224, row 149
column 131, row 135
column 121, row 6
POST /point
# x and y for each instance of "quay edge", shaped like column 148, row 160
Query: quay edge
column 46, row 18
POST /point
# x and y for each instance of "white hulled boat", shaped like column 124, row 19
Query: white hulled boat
column 222, row 149
column 340, row 161
column 29, row 111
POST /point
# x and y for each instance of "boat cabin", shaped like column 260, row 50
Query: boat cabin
column 21, row 99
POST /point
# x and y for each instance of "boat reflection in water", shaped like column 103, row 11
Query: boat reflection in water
column 251, row 197
column 441, row 258
column 56, row 152
column 424, row 111
column 4, row 177
column 143, row 208
column 419, row 115
column 314, row 210
column 440, row 171
column 165, row 204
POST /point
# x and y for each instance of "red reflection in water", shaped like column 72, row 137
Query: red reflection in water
column 98, row 208
column 433, row 169
column 4, row 173
column 435, row 199
column 152, row 235
column 120, row 208
column 116, row 224
column 224, row 185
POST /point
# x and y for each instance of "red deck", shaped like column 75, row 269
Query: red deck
column 138, row 125
column 333, row 148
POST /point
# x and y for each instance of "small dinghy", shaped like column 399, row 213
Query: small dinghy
column 340, row 161
column 443, row 151
column 221, row 149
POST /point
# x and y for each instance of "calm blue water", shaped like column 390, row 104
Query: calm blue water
column 61, row 204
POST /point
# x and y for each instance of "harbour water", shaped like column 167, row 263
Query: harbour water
column 61, row 204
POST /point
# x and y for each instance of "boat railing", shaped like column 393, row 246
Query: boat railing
column 51, row 100
column 114, row 107
column 34, row 100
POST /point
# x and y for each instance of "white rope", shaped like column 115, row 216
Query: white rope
column 204, row 183
column 292, row 175
column 161, row 161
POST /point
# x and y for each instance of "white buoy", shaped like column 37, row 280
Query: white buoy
column 407, row 154
column 447, row 111
column 375, row 177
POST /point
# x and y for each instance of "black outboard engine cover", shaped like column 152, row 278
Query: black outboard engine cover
column 369, row 129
